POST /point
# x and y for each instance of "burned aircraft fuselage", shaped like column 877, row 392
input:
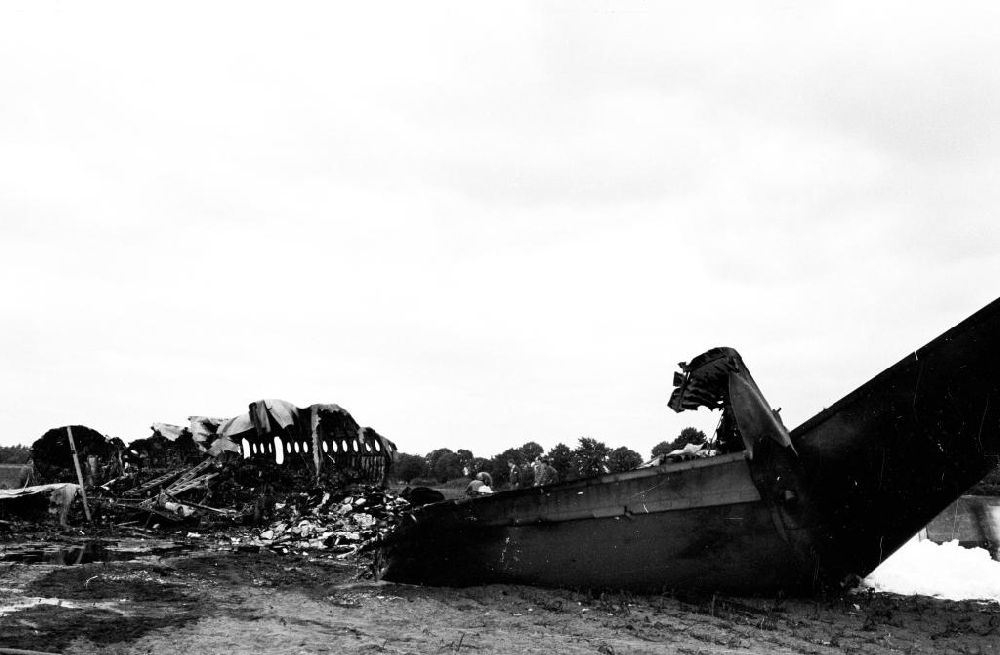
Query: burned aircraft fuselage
column 786, row 511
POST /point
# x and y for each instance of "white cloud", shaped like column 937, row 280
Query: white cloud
column 475, row 227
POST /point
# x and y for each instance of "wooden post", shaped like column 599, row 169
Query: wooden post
column 79, row 473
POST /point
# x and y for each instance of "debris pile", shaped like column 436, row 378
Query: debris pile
column 339, row 523
column 218, row 473
column 286, row 479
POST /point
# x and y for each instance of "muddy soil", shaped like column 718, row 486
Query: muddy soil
column 243, row 602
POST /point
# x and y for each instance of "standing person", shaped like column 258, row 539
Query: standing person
column 514, row 474
column 544, row 472
column 539, row 470
column 551, row 474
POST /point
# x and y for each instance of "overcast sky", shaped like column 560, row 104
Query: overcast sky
column 476, row 225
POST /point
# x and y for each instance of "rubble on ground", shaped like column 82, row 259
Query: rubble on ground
column 340, row 523
column 277, row 477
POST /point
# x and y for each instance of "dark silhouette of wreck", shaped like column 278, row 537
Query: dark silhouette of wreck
column 819, row 506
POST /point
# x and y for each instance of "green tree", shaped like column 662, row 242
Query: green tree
column 447, row 466
column 530, row 451
column 432, row 457
column 623, row 459
column 510, row 453
column 590, row 458
column 562, row 461
column 498, row 465
column 407, row 466
column 466, row 457
column 479, row 464
column 14, row 454
column 444, row 464
column 688, row 435
column 662, row 448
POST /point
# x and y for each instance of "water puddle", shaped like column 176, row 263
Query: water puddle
column 11, row 606
column 84, row 553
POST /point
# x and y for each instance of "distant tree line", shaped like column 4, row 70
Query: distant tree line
column 14, row 454
column 590, row 457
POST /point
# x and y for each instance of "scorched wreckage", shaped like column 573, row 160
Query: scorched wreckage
column 234, row 462
column 767, row 509
column 821, row 505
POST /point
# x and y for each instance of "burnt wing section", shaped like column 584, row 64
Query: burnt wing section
column 888, row 457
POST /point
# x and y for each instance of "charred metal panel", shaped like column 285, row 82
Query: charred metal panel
column 365, row 455
column 699, row 483
column 719, row 379
column 829, row 501
column 696, row 524
column 322, row 438
column 887, row 458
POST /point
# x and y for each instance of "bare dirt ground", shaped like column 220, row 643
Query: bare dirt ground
column 220, row 601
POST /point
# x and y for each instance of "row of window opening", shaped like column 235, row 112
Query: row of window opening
column 278, row 447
